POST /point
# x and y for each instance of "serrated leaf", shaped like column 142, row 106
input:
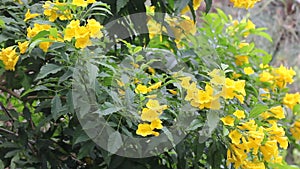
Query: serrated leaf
column 114, row 142
column 121, row 4
column 47, row 70
column 56, row 107
column 257, row 110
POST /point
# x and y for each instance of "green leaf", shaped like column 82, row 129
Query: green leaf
column 41, row 34
column 263, row 34
column 56, row 107
column 11, row 153
column 47, row 70
column 212, row 120
column 208, row 5
column 1, row 164
column 37, row 42
column 114, row 142
column 257, row 110
column 2, row 23
column 82, row 138
column 53, row 32
column 121, row 4
column 296, row 109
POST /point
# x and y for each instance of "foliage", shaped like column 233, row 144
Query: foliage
column 75, row 93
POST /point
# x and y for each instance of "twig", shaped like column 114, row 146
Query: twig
column 10, row 92
column 7, row 112
column 8, row 131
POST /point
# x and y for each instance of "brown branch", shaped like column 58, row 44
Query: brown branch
column 6, row 112
column 10, row 92
column 8, row 131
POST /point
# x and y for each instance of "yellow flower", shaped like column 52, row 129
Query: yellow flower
column 151, row 70
column 144, row 130
column 291, row 100
column 9, row 58
column 241, row 45
column 174, row 92
column 254, row 165
column 249, row 125
column 218, row 77
column 156, row 124
column 250, row 25
column 154, row 105
column 185, row 82
column 278, row 112
column 244, row 3
column 192, row 92
column 269, row 150
column 45, row 46
column 283, row 76
column 266, row 77
column 228, row 121
column 23, row 46
column 240, row 60
column 90, row 1
column 29, row 15
column 81, row 3
column 240, row 114
column 153, row 96
column 141, row 89
column 83, row 42
column 196, row 5
column 248, row 70
column 236, row 75
column 295, row 129
column 154, row 86
column 94, row 28
column 149, row 115
column 235, row 137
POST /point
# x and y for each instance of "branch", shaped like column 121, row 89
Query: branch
column 6, row 112
column 10, row 92
column 8, row 131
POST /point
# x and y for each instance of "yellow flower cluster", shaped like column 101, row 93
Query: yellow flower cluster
column 82, row 34
column 196, row 5
column 278, row 76
column 209, row 98
column 244, row 3
column 151, row 114
column 142, row 89
column 9, row 57
column 82, row 3
column 290, row 100
column 53, row 11
column 236, row 26
column 241, row 59
column 180, row 27
column 29, row 15
column 37, row 28
column 200, row 98
column 250, row 142
column 295, row 129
